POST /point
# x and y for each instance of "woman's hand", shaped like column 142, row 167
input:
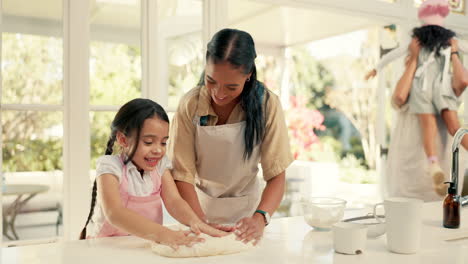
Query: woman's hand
column 250, row 228
column 414, row 47
column 370, row 74
column 174, row 239
column 200, row 227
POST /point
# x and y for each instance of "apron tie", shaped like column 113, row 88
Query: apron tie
column 423, row 68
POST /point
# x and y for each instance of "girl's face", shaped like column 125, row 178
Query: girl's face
column 152, row 144
column 224, row 82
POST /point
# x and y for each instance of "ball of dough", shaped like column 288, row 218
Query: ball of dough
column 212, row 246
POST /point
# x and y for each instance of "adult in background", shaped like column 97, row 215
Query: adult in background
column 406, row 172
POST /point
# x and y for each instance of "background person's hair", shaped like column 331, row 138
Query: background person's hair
column 433, row 37
column 129, row 121
column 238, row 49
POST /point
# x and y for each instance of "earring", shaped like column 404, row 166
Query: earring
column 248, row 79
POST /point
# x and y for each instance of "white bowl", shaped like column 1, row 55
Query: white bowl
column 374, row 227
column 322, row 213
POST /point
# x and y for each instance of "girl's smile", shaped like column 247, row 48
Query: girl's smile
column 152, row 162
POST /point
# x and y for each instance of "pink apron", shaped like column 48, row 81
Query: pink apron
column 148, row 206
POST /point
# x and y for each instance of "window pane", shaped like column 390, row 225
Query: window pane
column 269, row 72
column 185, row 65
column 32, row 141
column 31, row 54
column 115, row 53
column 31, row 69
column 100, row 132
column 185, row 48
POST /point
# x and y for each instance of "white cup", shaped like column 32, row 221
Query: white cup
column 403, row 217
column 349, row 238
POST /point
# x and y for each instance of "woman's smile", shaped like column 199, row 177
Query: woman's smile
column 220, row 98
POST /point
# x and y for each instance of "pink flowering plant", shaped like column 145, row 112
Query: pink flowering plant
column 302, row 124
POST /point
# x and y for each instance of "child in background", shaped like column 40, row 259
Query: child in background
column 431, row 92
column 129, row 186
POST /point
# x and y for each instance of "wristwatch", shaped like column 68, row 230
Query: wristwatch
column 265, row 214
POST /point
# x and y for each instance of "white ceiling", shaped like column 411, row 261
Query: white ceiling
column 270, row 25
column 284, row 26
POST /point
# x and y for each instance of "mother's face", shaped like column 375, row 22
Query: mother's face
column 224, row 82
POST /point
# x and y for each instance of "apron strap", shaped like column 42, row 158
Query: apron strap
column 124, row 183
column 156, row 177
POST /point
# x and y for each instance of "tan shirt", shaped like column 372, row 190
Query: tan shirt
column 275, row 150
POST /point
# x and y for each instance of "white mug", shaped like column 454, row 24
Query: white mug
column 349, row 238
column 403, row 217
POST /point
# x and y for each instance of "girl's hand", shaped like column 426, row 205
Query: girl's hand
column 370, row 74
column 250, row 228
column 200, row 227
column 174, row 239
column 453, row 44
column 414, row 48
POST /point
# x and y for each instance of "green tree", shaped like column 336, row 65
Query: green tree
column 115, row 73
column 31, row 74
column 310, row 79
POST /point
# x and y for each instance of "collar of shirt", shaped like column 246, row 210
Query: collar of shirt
column 132, row 169
column 205, row 108
column 204, row 103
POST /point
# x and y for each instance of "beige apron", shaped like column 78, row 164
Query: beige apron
column 227, row 185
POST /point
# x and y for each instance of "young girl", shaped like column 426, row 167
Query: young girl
column 432, row 91
column 129, row 186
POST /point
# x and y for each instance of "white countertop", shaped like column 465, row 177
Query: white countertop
column 286, row 240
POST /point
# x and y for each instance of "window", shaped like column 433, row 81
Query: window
column 32, row 114
column 114, row 65
column 185, row 65
column 184, row 47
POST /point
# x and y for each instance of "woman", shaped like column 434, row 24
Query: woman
column 406, row 174
column 222, row 129
column 432, row 92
